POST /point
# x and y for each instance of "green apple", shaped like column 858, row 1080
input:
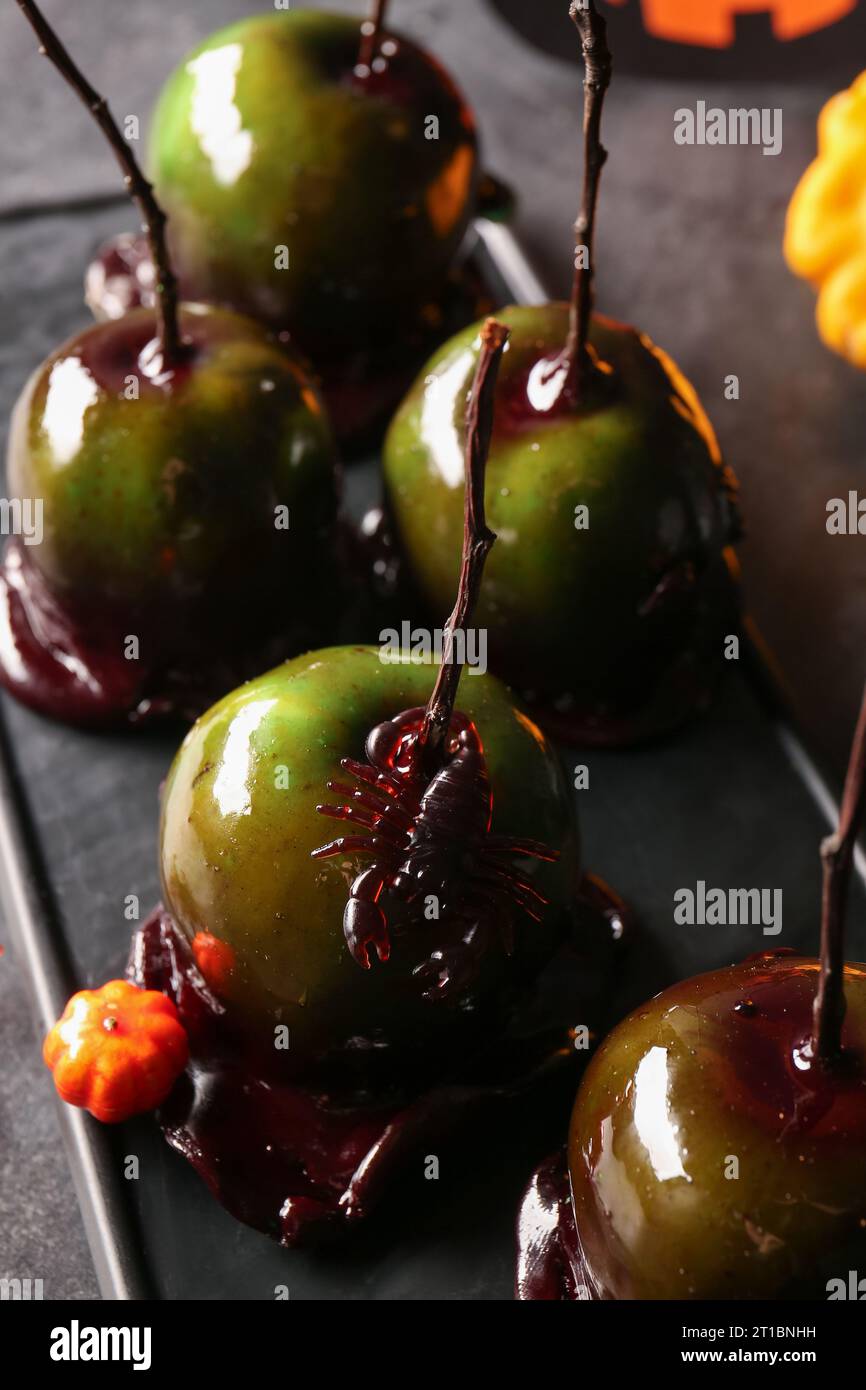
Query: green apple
column 707, row 1159
column 239, row 825
column 324, row 201
column 610, row 592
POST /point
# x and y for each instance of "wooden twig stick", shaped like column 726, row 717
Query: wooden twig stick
column 140, row 190
column 837, row 856
column 477, row 536
column 597, row 60
column 371, row 34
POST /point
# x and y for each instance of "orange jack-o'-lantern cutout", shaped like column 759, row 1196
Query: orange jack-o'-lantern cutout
column 712, row 23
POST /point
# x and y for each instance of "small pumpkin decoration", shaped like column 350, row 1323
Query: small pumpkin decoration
column 825, row 233
column 116, row 1051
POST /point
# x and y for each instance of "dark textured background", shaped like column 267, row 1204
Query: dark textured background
column 689, row 249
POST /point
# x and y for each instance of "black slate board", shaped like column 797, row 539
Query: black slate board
column 735, row 801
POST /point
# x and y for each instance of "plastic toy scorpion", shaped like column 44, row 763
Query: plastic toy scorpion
column 424, row 799
column 431, row 837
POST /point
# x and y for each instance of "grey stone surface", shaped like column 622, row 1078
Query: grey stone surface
column 689, row 249
column 41, row 1235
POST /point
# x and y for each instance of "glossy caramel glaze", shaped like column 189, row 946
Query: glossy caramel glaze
column 239, row 827
column 267, row 136
column 709, row 1157
column 300, row 1160
column 361, row 386
column 160, row 494
column 613, row 585
column 549, row 1268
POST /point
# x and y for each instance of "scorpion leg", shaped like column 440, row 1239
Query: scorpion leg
column 384, row 781
column 387, row 808
column 371, row 775
column 494, row 872
column 364, row 922
column 344, row 845
column 386, row 830
column 505, row 896
column 527, row 849
column 350, row 813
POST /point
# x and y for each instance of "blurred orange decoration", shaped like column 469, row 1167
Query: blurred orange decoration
column 825, row 232
column 214, row 958
column 712, row 23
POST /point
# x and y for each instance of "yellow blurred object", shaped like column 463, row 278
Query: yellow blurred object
column 825, row 232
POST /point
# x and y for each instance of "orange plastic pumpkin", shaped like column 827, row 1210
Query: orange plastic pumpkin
column 116, row 1051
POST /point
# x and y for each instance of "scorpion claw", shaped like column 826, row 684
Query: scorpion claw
column 445, row 973
column 364, row 925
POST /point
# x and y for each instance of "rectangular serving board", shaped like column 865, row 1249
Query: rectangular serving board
column 735, row 800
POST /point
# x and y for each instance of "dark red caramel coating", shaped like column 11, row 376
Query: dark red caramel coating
column 362, row 386
column 192, row 511
column 303, row 1159
column 549, row 1266
column 708, row 1157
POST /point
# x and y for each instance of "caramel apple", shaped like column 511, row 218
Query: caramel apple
column 718, row 1139
column 614, row 587
column 184, row 474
